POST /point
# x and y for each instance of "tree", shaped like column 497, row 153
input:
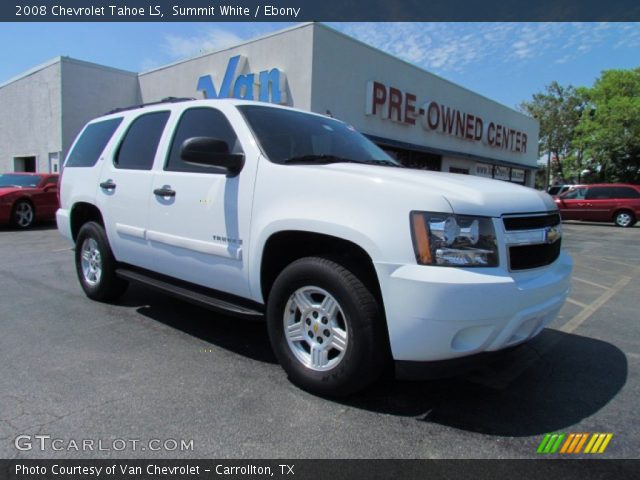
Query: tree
column 558, row 110
column 610, row 133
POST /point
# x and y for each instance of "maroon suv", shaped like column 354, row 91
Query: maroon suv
column 602, row 202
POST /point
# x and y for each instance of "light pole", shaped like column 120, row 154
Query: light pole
column 548, row 170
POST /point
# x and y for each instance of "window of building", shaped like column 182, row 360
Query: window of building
column 518, row 176
column 501, row 173
column 24, row 164
column 484, row 170
column 201, row 122
column 94, row 138
column 464, row 171
column 54, row 162
column 415, row 159
column 138, row 148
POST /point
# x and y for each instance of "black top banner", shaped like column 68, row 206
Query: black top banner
column 316, row 10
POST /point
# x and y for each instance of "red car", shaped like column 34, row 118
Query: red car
column 28, row 197
column 602, row 202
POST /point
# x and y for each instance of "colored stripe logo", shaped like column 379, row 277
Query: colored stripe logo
column 573, row 443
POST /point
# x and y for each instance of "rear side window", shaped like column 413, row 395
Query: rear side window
column 201, row 122
column 625, row 192
column 600, row 193
column 140, row 143
column 91, row 143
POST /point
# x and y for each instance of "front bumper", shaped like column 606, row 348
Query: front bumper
column 440, row 313
column 64, row 223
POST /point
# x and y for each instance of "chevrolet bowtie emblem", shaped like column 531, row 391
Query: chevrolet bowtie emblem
column 315, row 328
column 552, row 234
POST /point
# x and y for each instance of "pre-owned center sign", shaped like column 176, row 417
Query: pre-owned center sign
column 402, row 107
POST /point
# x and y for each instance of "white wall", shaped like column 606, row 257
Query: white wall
column 90, row 90
column 44, row 109
column 30, row 118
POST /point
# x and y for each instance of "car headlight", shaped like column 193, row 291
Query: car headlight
column 453, row 240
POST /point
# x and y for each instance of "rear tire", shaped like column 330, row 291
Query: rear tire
column 326, row 328
column 95, row 264
column 624, row 219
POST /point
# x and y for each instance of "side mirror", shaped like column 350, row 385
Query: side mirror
column 211, row 152
column 50, row 188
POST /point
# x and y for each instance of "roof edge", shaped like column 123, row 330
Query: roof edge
column 32, row 71
column 61, row 60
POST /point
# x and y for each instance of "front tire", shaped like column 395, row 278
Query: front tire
column 624, row 219
column 23, row 214
column 326, row 328
column 95, row 264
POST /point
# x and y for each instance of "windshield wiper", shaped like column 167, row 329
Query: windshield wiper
column 387, row 163
column 319, row 159
column 326, row 159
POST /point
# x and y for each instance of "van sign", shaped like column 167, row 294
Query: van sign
column 269, row 86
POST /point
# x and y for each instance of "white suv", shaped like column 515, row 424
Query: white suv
column 254, row 210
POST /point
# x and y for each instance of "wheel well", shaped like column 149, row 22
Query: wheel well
column 623, row 209
column 82, row 213
column 284, row 248
column 24, row 199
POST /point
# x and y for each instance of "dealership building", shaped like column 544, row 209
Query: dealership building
column 422, row 120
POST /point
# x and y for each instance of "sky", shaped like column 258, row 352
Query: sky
column 507, row 62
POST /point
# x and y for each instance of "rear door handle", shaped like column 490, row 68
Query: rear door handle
column 108, row 185
column 165, row 191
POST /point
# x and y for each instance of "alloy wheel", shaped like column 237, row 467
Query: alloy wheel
column 91, row 262
column 316, row 328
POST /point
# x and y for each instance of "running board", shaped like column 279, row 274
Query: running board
column 193, row 294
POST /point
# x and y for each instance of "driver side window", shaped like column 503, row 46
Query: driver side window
column 577, row 194
column 201, row 122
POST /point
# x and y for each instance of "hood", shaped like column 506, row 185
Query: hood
column 467, row 194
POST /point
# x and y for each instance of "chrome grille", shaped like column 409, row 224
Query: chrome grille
column 533, row 240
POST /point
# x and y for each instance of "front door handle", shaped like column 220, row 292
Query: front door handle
column 108, row 185
column 165, row 191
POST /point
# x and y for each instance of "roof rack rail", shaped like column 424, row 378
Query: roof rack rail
column 164, row 100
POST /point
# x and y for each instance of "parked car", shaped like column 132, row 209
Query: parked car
column 26, row 198
column 603, row 202
column 259, row 210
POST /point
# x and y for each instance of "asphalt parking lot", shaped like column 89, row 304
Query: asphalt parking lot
column 151, row 367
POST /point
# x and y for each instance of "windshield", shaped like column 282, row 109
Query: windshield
column 19, row 180
column 287, row 136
